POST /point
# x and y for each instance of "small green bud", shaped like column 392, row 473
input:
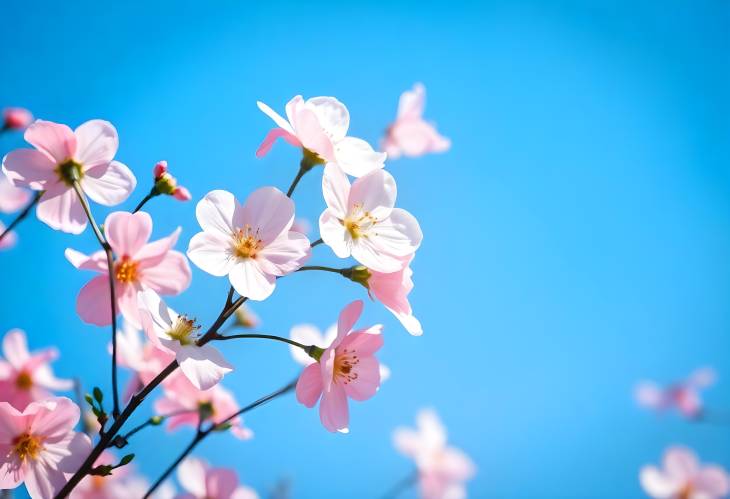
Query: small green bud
column 222, row 427
column 359, row 274
column 102, row 470
column 315, row 352
column 125, row 460
column 89, row 400
column 98, row 395
column 156, row 420
column 205, row 410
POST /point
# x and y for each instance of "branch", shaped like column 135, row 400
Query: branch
column 22, row 214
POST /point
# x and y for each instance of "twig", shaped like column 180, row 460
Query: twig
column 22, row 214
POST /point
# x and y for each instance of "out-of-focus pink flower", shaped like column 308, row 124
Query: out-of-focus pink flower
column 360, row 220
column 253, row 244
column 683, row 477
column 145, row 359
column 203, row 365
column 121, row 484
column 138, row 265
column 62, row 156
column 442, row 469
column 410, row 135
column 165, row 183
column 39, row 446
column 203, row 482
column 10, row 239
column 182, row 404
column 245, row 317
column 16, row 118
column 684, row 396
column 26, row 377
column 319, row 126
column 12, row 198
column 346, row 368
column 302, row 226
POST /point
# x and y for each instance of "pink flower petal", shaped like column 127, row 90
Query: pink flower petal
column 61, row 209
column 54, row 140
column 276, row 117
column 333, row 234
column 203, row 366
column 333, row 410
column 95, row 262
column 249, row 280
column 364, row 343
column 336, row 190
column 412, row 102
column 109, row 184
column 54, row 418
column 269, row 211
column 368, row 379
column 210, row 252
column 127, row 233
column 29, row 168
column 216, row 211
column 285, row 254
column 93, row 304
column 311, row 135
column 357, row 158
column 221, row 482
column 153, row 253
column 12, row 198
column 332, row 115
column 347, row 319
column 171, row 276
column 309, row 385
column 96, row 143
column 375, row 193
column 681, row 463
column 271, row 137
column 15, row 348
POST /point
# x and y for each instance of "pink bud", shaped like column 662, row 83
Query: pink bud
column 182, row 194
column 16, row 118
column 160, row 169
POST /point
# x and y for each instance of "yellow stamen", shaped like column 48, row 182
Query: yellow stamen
column 126, row 270
column 182, row 330
column 27, row 445
column 359, row 222
column 246, row 243
column 24, row 381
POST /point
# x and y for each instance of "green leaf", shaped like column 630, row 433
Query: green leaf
column 98, row 395
column 126, row 460
column 89, row 400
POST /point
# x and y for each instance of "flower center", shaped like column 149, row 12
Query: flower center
column 97, row 482
column 246, row 243
column 359, row 222
column 686, row 492
column 182, row 330
column 27, row 445
column 126, row 270
column 345, row 361
column 24, row 381
column 310, row 159
column 69, row 171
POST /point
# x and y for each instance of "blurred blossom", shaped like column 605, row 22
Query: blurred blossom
column 122, row 483
column 410, row 135
column 442, row 470
column 683, row 477
column 246, row 318
column 684, row 396
column 319, row 126
column 16, row 118
column 62, row 156
column 27, row 376
column 12, row 198
column 200, row 481
column 10, row 239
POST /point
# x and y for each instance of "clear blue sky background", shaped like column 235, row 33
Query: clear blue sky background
column 576, row 236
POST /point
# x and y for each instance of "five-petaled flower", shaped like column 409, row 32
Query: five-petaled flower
column 360, row 220
column 346, row 368
column 253, row 244
column 684, row 478
column 138, row 265
column 62, row 157
column 319, row 126
column 200, row 481
column 39, row 446
column 684, row 396
column 26, row 376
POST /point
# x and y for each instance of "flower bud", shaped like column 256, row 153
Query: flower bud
column 359, row 274
column 16, row 118
column 166, row 184
column 182, row 194
column 159, row 169
column 246, row 318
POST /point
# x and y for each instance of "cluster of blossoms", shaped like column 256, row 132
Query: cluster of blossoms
column 252, row 243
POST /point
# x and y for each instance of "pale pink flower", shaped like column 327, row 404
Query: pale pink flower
column 360, row 220
column 138, row 265
column 16, row 118
column 200, row 481
column 684, row 396
column 10, row 239
column 346, row 368
column 12, row 198
column 26, row 376
column 62, row 155
column 683, row 477
column 253, row 244
column 182, row 403
column 442, row 469
column 410, row 135
column 165, row 183
column 40, row 447
column 203, row 365
column 319, row 126
column 121, row 484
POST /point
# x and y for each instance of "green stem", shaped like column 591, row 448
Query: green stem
column 153, row 193
column 320, row 267
column 264, row 337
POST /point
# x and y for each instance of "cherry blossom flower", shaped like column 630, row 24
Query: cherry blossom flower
column 139, row 265
column 203, row 365
column 200, row 481
column 16, row 118
column 245, row 317
column 62, row 156
column 253, row 244
column 165, row 183
column 39, row 446
column 683, row 396
column 26, row 376
column 182, row 403
column 410, row 135
column 684, row 478
column 319, row 126
column 360, row 220
column 9, row 240
column 346, row 368
column 442, row 470
column 122, row 483
column 12, row 198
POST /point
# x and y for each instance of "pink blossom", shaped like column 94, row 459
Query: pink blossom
column 26, row 376
column 245, row 317
column 410, row 135
column 253, row 244
column 39, row 446
column 319, row 126
column 121, row 484
column 9, row 240
column 62, row 155
column 203, row 482
column 16, row 118
column 683, row 396
column 182, row 402
column 346, row 368
column 442, row 470
column 138, row 265
column 165, row 183
column 684, row 477
column 360, row 220
column 203, row 365
column 12, row 198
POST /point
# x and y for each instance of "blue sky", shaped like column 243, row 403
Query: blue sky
column 576, row 235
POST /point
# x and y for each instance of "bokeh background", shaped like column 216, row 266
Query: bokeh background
column 577, row 235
